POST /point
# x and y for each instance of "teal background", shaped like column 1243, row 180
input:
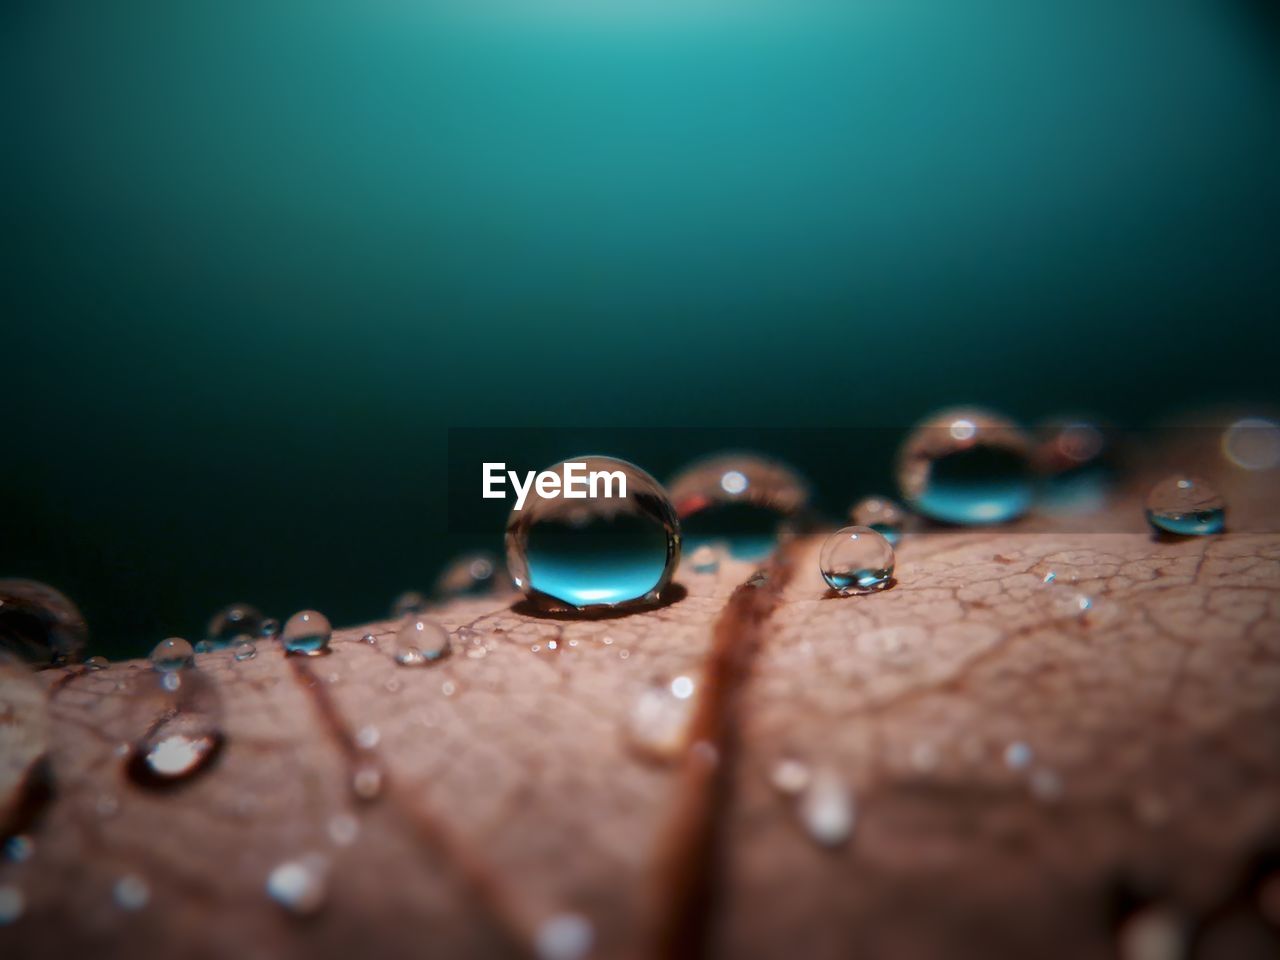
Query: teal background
column 258, row 257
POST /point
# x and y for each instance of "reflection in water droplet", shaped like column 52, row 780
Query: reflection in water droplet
column 172, row 654
column 880, row 514
column 705, row 559
column 232, row 622
column 307, row 634
column 1186, row 506
column 1253, row 443
column 182, row 714
column 565, row 936
column 967, row 467
column 420, row 641
column 40, row 625
column 299, row 885
column 18, row 848
column 270, row 627
column 595, row 551
column 657, row 726
column 131, row 892
column 856, row 560
column 471, row 575
column 244, row 650
column 1155, row 933
column 741, row 500
column 826, row 808
column 12, row 904
column 408, row 603
column 789, row 777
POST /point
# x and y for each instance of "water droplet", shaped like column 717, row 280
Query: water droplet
column 299, row 885
column 270, row 627
column 1186, row 506
column 1252, row 443
column 12, row 904
column 880, row 514
column 789, row 777
column 40, row 625
column 565, row 936
column 682, row 688
column 967, row 467
column 741, row 500
column 232, row 622
column 826, row 808
column 1050, row 577
column 408, row 603
column 705, row 559
column 366, row 781
column 343, row 829
column 856, row 560
column 368, row 737
column 131, row 892
column 1072, row 458
column 448, row 688
column 1154, row 933
column 244, row 650
column 467, row 576
column 18, row 848
column 597, row 552
column 307, row 634
column 183, row 717
column 172, row 654
column 370, row 639
column 420, row 641
column 94, row 664
column 1018, row 755
column 657, row 726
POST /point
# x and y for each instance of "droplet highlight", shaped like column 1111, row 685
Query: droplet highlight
column 741, row 501
column 1186, row 506
column 826, row 808
column 300, row 886
column 307, row 634
column 598, row 551
column 657, row 726
column 856, row 560
column 183, row 714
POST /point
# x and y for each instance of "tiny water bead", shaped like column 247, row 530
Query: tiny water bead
column 880, row 514
column 234, row 621
column 131, row 892
column 470, row 575
column 741, row 500
column 182, row 714
column 40, row 625
column 307, row 634
column 243, row 650
column 172, row 654
column 1186, row 506
column 270, row 627
column 420, row 641
column 967, row 467
column 657, row 727
column 300, row 886
column 598, row 551
column 856, row 560
column 790, row 777
column 826, row 808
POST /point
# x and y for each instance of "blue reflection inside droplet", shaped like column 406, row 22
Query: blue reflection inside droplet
column 1083, row 490
column 863, row 579
column 1197, row 524
column 890, row 531
column 977, row 486
column 614, row 560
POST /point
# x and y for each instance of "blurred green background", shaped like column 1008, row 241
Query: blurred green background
column 259, row 257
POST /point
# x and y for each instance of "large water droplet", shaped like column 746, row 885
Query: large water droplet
column 826, row 808
column 172, row 654
column 300, row 886
column 409, row 603
column 657, row 727
column 233, row 622
column 470, row 575
column 880, row 514
column 599, row 551
column 856, row 560
column 183, row 717
column 740, row 500
column 40, row 625
column 307, row 634
column 967, row 467
column 1186, row 506
column 420, row 641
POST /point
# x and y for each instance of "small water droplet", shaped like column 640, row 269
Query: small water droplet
column 1018, row 755
column 244, row 650
column 470, row 575
column 1186, row 506
column 1253, row 443
column 1050, row 577
column 368, row 737
column 94, row 664
column 370, row 639
column 553, row 645
column 741, row 500
column 232, row 622
column 597, row 551
column 448, row 688
column 409, row 603
column 881, row 515
column 12, row 904
column 366, row 781
column 131, row 892
column 19, row 848
column 187, row 734
column 624, row 654
column 682, row 688
column 826, row 808
column 856, row 560
column 967, row 467
column 300, row 886
column 657, row 726
column 205, row 646
column 1154, row 933
column 392, row 685
column 307, row 633
column 789, row 776
column 565, row 936
column 270, row 627
column 172, row 654
column 343, row 829
column 705, row 559
column 420, row 641
column 40, row 625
